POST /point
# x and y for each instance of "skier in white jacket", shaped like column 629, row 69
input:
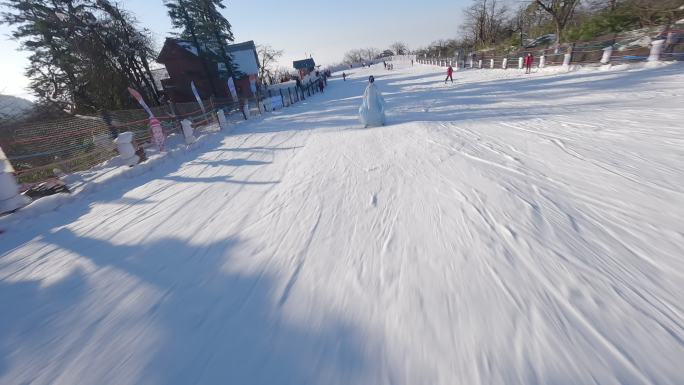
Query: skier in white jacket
column 372, row 110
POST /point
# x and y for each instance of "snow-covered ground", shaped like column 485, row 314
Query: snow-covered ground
column 507, row 229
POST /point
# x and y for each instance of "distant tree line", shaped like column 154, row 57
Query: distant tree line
column 500, row 23
column 369, row 54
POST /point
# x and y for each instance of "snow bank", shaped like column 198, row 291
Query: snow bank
column 99, row 177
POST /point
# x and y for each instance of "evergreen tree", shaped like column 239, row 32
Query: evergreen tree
column 84, row 53
column 212, row 26
column 201, row 22
column 217, row 30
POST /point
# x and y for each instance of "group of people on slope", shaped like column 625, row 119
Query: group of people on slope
column 372, row 110
column 528, row 62
column 388, row 66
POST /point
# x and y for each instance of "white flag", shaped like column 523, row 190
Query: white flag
column 140, row 100
column 231, row 87
column 197, row 97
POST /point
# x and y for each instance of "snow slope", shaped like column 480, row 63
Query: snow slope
column 507, row 229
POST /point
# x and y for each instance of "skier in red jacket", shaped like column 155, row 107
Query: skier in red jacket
column 529, row 60
column 450, row 74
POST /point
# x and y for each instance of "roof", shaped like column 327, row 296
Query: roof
column 306, row 63
column 189, row 47
column 241, row 46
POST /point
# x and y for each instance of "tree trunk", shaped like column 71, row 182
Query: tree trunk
column 146, row 66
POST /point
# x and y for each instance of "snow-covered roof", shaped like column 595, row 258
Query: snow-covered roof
column 306, row 63
column 190, row 47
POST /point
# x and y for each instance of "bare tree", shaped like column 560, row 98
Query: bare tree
column 399, row 48
column 485, row 21
column 371, row 53
column 657, row 12
column 354, row 56
column 268, row 58
column 560, row 11
column 284, row 73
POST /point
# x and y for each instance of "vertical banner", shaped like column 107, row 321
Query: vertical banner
column 135, row 94
column 5, row 165
column 252, row 83
column 197, row 97
column 231, row 88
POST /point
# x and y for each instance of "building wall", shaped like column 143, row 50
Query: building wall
column 184, row 67
column 246, row 61
column 184, row 70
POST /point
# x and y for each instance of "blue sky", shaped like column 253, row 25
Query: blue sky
column 325, row 29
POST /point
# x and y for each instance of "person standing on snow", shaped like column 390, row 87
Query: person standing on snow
column 529, row 60
column 372, row 110
column 450, row 74
column 344, row 76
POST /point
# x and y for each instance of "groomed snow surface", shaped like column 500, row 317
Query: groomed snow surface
column 506, row 229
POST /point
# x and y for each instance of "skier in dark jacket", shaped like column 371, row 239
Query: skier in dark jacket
column 344, row 76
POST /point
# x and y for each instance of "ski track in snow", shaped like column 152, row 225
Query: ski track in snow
column 507, row 229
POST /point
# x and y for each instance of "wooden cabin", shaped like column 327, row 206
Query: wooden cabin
column 304, row 67
column 184, row 65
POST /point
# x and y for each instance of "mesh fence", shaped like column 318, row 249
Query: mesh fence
column 76, row 143
column 69, row 144
column 581, row 53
